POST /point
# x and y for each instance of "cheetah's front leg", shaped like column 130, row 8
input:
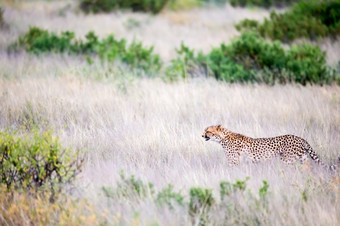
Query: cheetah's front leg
column 233, row 157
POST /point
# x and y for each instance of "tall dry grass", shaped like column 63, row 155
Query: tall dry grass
column 153, row 129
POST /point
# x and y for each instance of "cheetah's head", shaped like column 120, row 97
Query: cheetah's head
column 213, row 133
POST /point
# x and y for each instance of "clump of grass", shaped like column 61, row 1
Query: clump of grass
column 23, row 208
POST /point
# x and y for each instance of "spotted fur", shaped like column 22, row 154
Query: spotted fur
column 237, row 147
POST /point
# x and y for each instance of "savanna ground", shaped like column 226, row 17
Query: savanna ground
column 152, row 129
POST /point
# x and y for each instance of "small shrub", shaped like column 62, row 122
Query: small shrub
column 254, row 53
column 37, row 41
column 308, row 64
column 186, row 65
column 108, row 191
column 201, row 201
column 310, row 19
column 290, row 26
column 263, row 191
column 240, row 184
column 132, row 187
column 250, row 58
column 110, row 48
column 89, row 46
column 262, row 3
column 227, row 188
column 247, row 24
column 169, row 197
column 35, row 161
column 153, row 6
column 95, row 6
column 138, row 56
column 135, row 55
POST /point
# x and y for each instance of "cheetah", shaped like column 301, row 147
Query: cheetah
column 288, row 148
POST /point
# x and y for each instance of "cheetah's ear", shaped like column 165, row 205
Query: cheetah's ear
column 219, row 126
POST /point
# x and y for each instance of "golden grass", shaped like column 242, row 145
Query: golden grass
column 21, row 208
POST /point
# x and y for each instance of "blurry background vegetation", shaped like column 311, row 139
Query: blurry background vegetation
column 248, row 58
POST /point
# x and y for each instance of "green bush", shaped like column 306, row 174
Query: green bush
column 169, row 197
column 308, row 65
column 216, row 64
column 132, row 187
column 310, row 19
column 227, row 188
column 262, row 3
column 225, row 68
column 185, row 65
column 95, row 6
column 36, row 161
column 37, row 40
column 248, row 24
column 201, row 201
column 263, row 191
column 135, row 55
column 250, row 58
column 139, row 57
column 201, row 205
column 325, row 11
column 129, row 187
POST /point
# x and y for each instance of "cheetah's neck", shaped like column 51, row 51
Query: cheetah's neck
column 229, row 136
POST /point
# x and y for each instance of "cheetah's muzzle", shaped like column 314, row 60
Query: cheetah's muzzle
column 206, row 138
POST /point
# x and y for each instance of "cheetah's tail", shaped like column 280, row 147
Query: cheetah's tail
column 316, row 158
